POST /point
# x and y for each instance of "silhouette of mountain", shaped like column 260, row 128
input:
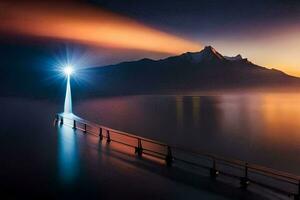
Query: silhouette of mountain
column 204, row 70
column 23, row 74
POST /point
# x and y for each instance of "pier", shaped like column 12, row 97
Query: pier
column 241, row 174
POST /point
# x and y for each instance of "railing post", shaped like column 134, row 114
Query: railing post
column 100, row 133
column 169, row 157
column 61, row 120
column 245, row 180
column 213, row 171
column 297, row 196
column 108, row 136
column 85, row 128
column 74, row 124
column 139, row 148
column 56, row 119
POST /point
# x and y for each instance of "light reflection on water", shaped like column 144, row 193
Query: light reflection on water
column 259, row 128
column 68, row 158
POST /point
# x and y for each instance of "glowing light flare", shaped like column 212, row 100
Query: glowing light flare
column 68, row 70
column 88, row 25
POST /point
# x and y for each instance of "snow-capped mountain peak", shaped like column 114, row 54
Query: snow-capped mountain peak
column 234, row 58
column 207, row 54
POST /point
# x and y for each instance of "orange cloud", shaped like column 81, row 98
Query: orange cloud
column 88, row 25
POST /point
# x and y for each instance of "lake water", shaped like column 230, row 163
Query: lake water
column 41, row 161
column 259, row 128
column 38, row 158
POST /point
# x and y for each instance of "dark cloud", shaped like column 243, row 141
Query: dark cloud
column 207, row 16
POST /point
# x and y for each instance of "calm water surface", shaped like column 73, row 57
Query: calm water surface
column 41, row 161
column 38, row 158
column 259, row 128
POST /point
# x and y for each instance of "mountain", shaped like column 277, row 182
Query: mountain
column 237, row 57
column 23, row 74
column 191, row 71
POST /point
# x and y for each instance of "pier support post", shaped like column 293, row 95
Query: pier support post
column 56, row 120
column 108, row 140
column 100, row 133
column 213, row 171
column 139, row 148
column 245, row 181
column 74, row 124
column 169, row 156
column 297, row 196
column 85, row 128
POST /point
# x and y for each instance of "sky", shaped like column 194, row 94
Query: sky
column 266, row 32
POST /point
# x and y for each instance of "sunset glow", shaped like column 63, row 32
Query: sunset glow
column 89, row 26
column 276, row 48
column 150, row 99
column 273, row 47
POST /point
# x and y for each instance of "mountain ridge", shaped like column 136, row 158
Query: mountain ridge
column 208, row 50
column 204, row 70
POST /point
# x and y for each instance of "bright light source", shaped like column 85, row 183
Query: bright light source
column 68, row 70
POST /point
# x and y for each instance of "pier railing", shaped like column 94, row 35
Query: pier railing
column 245, row 173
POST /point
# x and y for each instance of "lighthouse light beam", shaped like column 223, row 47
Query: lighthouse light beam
column 68, row 70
